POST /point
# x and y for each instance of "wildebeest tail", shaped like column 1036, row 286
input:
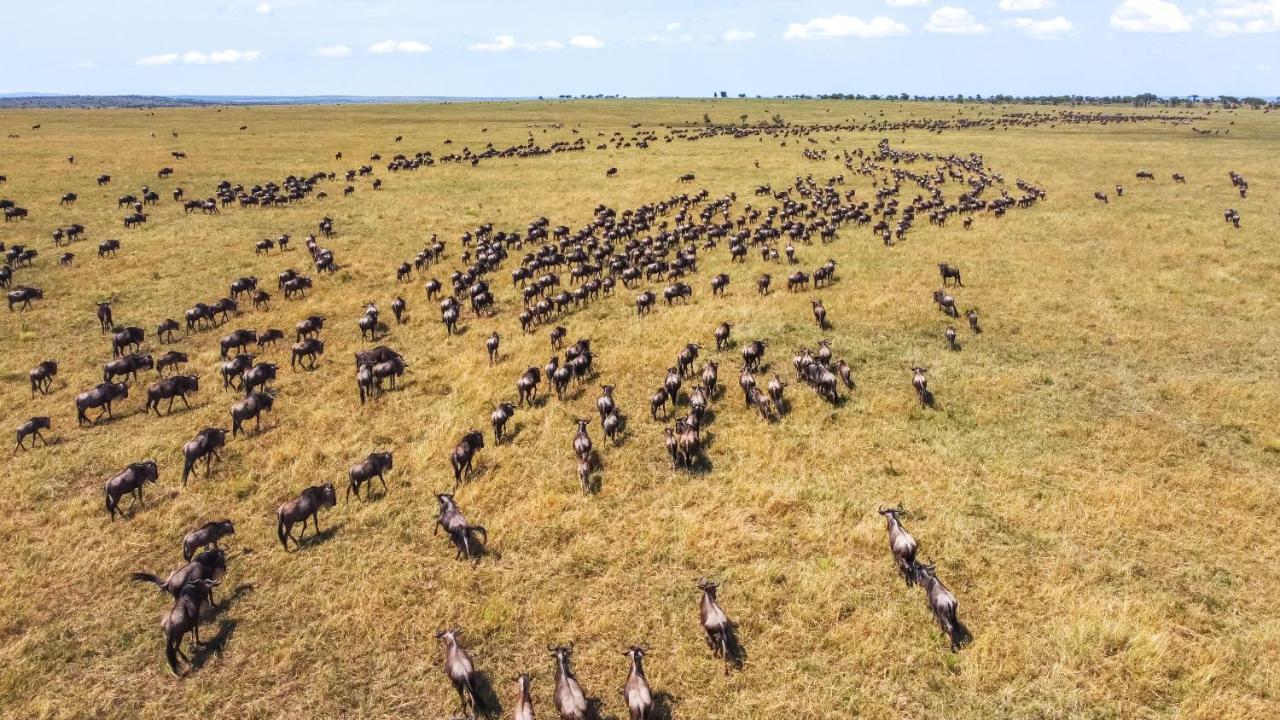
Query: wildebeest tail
column 284, row 541
column 147, row 577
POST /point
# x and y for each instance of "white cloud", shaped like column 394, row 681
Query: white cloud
column 332, row 51
column 949, row 20
column 86, row 64
column 156, row 60
column 399, row 46
column 1150, row 16
column 673, row 27
column 1263, row 68
column 906, row 3
column 586, row 42
column 263, row 9
column 1050, row 29
column 1023, row 5
column 220, row 57
column 503, row 43
column 844, row 26
column 1234, row 17
column 738, row 35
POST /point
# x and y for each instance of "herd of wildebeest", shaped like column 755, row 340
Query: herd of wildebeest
column 665, row 240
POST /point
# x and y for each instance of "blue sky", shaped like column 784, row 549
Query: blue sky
column 487, row 48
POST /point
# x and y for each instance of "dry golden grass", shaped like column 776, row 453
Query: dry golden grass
column 1097, row 486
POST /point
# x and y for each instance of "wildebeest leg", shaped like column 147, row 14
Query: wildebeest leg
column 208, row 464
column 184, row 402
column 384, row 483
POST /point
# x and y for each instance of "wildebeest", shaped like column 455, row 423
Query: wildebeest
column 251, row 407
column 208, row 565
column 165, row 329
column 461, row 671
column 460, row 532
column 570, row 701
column 184, row 616
column 306, row 353
column 753, row 353
column 41, row 376
column 102, row 395
column 310, row 326
column 714, row 622
column 257, row 376
column 463, row 454
column 762, row 283
column 950, row 334
column 31, row 428
column 364, row 471
column 108, row 247
column 125, row 339
column 942, row 602
column 23, row 295
column 233, row 370
column 128, row 365
column 296, row 286
column 972, row 316
column 719, row 283
column 524, row 699
column 306, row 506
column 504, row 412
column 243, row 285
column 206, row 444
column 819, row 313
column 635, row 691
column 949, row 273
column 901, row 544
column 921, row 386
column 397, row 308
column 722, row 335
column 527, row 385
column 104, row 316
column 176, row 386
column 269, row 337
column 130, row 481
column 582, row 441
column 205, row 535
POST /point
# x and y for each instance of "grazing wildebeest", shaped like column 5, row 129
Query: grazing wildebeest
column 208, row 565
column 165, row 329
column 31, row 428
column 184, row 616
column 41, row 376
column 306, row 353
column 101, row 396
column 527, row 385
column 130, row 481
column 269, row 337
column 504, row 412
column 949, row 273
column 128, row 365
column 714, row 622
column 125, row 339
column 461, row 672
column 943, row 605
column 570, row 701
column 463, row 454
column 206, row 445
column 300, row 509
column 104, row 316
column 205, row 535
column 257, row 376
column 901, row 544
column 364, row 471
column 23, row 295
column 251, row 407
column 456, row 526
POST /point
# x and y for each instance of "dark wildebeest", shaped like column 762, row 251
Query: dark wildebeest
column 41, row 376
column 23, row 295
column 819, row 313
column 972, row 315
column 101, row 396
column 456, row 526
column 714, row 622
column 846, row 374
column 943, row 604
column 205, row 535
column 491, row 345
column 243, row 285
column 570, row 701
column 461, row 672
column 582, row 441
column 257, row 376
column 128, row 365
column 208, row 565
column 269, row 337
column 946, row 303
column 31, row 428
column 397, row 308
column 921, row 386
column 296, row 286
column 310, row 326
column 126, row 338
column 753, row 353
column 527, row 385
column 165, row 329
column 635, row 691
column 184, row 616
column 104, row 316
column 364, row 471
column 722, row 335
column 392, row 367
column 305, row 506
column 206, row 445
column 108, row 247
column 524, row 698
column 463, row 453
column 176, row 386
column 251, row 407
column 234, row 369
column 365, row 382
column 950, row 334
column 949, row 273
column 504, row 412
column 719, row 283
column 130, row 481
column 901, row 544
column 710, row 377
column 305, row 353
column 238, row 341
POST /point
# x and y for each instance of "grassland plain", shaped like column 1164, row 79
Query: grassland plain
column 1098, row 485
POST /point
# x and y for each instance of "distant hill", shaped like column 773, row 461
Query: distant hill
column 46, row 100
column 94, row 101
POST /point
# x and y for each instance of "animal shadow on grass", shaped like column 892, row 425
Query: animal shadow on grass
column 213, row 647
column 509, row 436
column 478, row 551
column 928, row 400
column 663, row 706
column 737, row 651
column 486, row 696
column 225, row 603
column 318, row 538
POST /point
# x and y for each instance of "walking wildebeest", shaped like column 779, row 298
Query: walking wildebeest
column 949, row 273
column 104, row 316
column 208, row 565
column 942, row 602
column 102, row 395
column 130, row 481
column 165, row 329
column 128, row 365
column 257, row 376
column 504, row 412
column 310, row 326
column 205, row 535
column 206, row 445
column 635, row 691
column 300, row 509
column 570, row 701
column 463, row 453
column 23, row 295
column 364, row 471
column 456, row 526
column 238, row 341
column 306, row 353
column 714, row 622
column 129, row 338
column 251, row 407
column 175, row 386
column 901, row 544
column 461, row 671
column 184, row 616
column 41, row 376
column 31, row 428
column 527, row 385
